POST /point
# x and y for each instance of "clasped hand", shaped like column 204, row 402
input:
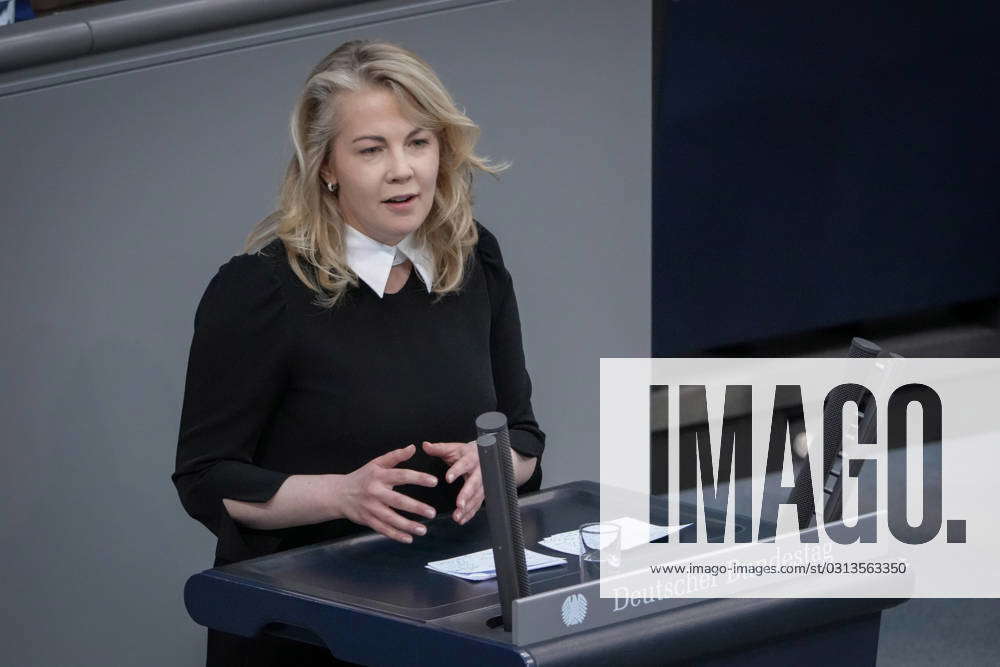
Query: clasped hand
column 463, row 461
column 369, row 499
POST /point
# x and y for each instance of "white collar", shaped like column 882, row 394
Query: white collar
column 372, row 261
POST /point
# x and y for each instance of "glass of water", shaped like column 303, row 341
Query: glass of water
column 600, row 544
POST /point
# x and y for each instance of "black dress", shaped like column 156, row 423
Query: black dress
column 278, row 386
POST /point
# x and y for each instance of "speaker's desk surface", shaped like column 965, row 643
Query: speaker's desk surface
column 371, row 600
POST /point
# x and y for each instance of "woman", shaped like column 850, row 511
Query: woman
column 370, row 315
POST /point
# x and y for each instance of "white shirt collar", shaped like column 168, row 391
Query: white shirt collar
column 371, row 260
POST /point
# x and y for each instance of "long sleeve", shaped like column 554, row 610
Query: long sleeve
column 235, row 377
column 510, row 376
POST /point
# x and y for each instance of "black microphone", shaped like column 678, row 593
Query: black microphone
column 502, row 512
column 802, row 491
column 833, row 486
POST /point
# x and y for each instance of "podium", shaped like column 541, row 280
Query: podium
column 370, row 600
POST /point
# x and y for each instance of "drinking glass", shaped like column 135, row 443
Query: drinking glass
column 600, row 544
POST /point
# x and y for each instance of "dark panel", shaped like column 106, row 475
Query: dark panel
column 820, row 163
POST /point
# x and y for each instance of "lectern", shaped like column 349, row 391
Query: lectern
column 354, row 595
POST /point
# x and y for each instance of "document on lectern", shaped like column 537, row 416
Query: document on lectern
column 634, row 533
column 479, row 565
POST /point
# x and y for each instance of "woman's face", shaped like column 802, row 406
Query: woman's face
column 378, row 157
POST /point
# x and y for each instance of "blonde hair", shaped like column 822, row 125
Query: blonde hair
column 308, row 218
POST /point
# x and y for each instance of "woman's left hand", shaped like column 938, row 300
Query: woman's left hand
column 463, row 460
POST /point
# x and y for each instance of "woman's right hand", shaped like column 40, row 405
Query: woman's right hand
column 367, row 496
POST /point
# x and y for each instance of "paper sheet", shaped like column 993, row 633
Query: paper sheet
column 479, row 566
column 634, row 533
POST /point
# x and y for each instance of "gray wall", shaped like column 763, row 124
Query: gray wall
column 127, row 178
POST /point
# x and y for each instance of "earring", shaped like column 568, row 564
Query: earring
column 332, row 187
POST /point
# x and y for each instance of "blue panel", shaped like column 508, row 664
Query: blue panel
column 820, row 163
